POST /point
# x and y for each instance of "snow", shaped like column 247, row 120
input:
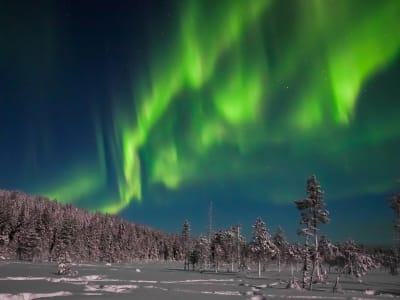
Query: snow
column 258, row 297
column 163, row 281
column 23, row 278
column 111, row 288
column 199, row 281
column 370, row 292
column 228, row 293
column 30, row 296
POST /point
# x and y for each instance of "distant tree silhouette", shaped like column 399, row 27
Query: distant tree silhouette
column 395, row 206
column 195, row 256
column 203, row 245
column 239, row 246
column 218, row 249
column 230, row 240
column 280, row 241
column 186, row 243
column 5, row 227
column 28, row 247
column 313, row 212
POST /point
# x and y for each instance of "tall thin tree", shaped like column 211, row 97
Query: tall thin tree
column 313, row 212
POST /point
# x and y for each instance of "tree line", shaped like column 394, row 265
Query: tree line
column 316, row 256
column 37, row 229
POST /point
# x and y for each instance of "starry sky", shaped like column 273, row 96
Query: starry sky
column 153, row 109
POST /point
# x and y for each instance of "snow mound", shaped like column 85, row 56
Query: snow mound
column 258, row 297
column 138, row 270
column 111, row 288
column 91, row 277
column 370, row 292
column 228, row 293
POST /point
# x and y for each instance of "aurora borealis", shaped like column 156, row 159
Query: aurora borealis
column 151, row 110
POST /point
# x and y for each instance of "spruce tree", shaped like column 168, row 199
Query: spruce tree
column 186, row 243
column 28, row 244
column 313, row 212
column 217, row 249
column 280, row 241
column 395, row 205
column 261, row 245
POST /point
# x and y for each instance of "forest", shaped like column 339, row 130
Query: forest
column 33, row 228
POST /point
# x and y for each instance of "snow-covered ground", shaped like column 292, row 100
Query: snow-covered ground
column 20, row 280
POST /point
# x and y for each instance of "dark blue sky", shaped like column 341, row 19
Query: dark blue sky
column 152, row 109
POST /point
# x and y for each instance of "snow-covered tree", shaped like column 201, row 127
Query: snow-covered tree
column 186, row 243
column 313, row 213
column 28, row 244
column 351, row 259
column 261, row 245
column 203, row 248
column 229, row 243
column 5, row 227
column 280, row 241
column 218, row 249
column 37, row 228
column 395, row 205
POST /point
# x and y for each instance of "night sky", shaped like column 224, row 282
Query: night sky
column 152, row 109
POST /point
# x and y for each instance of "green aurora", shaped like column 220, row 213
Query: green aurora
column 254, row 93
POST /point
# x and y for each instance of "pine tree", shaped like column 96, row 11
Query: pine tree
column 313, row 212
column 217, row 249
column 5, row 225
column 229, row 237
column 261, row 245
column 280, row 241
column 65, row 238
column 351, row 259
column 395, row 205
column 203, row 245
column 294, row 256
column 28, row 244
column 186, row 243
column 238, row 246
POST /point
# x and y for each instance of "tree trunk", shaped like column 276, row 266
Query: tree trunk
column 279, row 263
column 259, row 268
column 312, row 276
column 291, row 269
column 337, row 288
